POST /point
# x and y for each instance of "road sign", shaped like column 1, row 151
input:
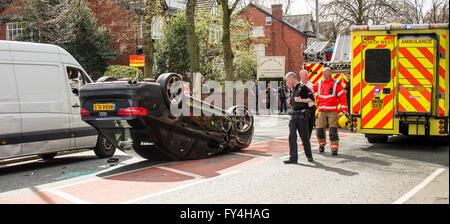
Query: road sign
column 137, row 60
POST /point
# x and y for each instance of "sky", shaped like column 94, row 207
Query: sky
column 309, row 6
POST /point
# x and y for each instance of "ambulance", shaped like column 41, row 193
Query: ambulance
column 400, row 80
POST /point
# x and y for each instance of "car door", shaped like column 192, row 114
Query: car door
column 83, row 135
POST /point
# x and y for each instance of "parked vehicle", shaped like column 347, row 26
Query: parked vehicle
column 39, row 103
column 400, row 82
column 138, row 118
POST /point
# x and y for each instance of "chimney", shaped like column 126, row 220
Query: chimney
column 277, row 11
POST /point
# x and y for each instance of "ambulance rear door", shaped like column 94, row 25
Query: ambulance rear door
column 377, row 84
column 416, row 62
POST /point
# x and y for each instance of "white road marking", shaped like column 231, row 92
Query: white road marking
column 68, row 197
column 181, row 172
column 252, row 155
column 424, row 183
column 179, row 188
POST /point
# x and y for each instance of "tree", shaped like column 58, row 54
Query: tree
column 192, row 42
column 345, row 13
column 171, row 53
column 228, row 55
column 439, row 12
column 153, row 9
column 71, row 25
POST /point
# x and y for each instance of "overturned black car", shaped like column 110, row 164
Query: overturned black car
column 138, row 119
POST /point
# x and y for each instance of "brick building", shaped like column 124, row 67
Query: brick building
column 125, row 25
column 281, row 37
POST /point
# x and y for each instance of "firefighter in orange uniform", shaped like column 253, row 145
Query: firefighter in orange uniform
column 330, row 94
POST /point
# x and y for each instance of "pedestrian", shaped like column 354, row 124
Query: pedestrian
column 255, row 92
column 330, row 94
column 282, row 96
column 268, row 94
column 304, row 79
column 299, row 97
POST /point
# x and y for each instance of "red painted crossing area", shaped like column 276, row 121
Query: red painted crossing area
column 130, row 186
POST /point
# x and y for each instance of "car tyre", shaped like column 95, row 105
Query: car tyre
column 166, row 81
column 104, row 148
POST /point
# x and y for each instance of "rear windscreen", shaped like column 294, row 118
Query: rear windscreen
column 378, row 66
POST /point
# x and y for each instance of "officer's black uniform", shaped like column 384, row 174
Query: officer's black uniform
column 299, row 122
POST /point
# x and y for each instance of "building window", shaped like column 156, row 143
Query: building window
column 378, row 66
column 157, row 28
column 268, row 21
column 12, row 30
column 215, row 34
column 257, row 31
column 260, row 50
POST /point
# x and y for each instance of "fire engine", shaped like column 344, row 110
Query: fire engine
column 320, row 55
column 400, row 80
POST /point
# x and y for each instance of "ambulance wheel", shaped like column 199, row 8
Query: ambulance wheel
column 373, row 138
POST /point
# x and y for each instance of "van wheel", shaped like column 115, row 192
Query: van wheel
column 104, row 148
column 374, row 138
column 48, row 156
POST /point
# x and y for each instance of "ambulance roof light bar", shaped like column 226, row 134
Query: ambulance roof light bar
column 401, row 27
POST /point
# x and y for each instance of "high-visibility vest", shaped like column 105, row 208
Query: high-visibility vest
column 330, row 94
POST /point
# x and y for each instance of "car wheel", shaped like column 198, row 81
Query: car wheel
column 244, row 117
column 172, row 87
column 104, row 148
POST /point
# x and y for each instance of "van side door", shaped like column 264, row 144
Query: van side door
column 10, row 119
column 84, row 135
column 44, row 107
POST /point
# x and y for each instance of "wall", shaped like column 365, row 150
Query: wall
column 283, row 40
column 9, row 10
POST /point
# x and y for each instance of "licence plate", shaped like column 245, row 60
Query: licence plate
column 104, row 106
column 377, row 104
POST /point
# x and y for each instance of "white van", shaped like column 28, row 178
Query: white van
column 39, row 104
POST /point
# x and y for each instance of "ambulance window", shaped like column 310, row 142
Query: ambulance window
column 378, row 66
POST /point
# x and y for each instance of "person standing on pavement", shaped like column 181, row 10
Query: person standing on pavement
column 282, row 96
column 312, row 105
column 268, row 94
column 330, row 94
column 255, row 92
column 299, row 98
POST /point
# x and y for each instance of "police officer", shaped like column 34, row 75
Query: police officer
column 300, row 96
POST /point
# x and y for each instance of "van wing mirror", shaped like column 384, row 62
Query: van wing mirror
column 75, row 91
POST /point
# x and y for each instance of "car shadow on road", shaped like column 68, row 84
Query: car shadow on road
column 131, row 167
column 339, row 171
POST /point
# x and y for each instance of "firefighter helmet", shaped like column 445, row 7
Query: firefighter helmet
column 344, row 121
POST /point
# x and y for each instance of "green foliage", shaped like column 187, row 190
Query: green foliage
column 72, row 26
column 120, row 71
column 172, row 46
